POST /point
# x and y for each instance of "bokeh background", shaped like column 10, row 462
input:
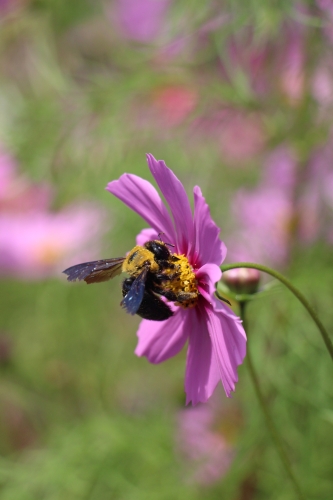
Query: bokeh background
column 236, row 97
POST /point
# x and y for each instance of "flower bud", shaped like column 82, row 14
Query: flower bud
column 242, row 280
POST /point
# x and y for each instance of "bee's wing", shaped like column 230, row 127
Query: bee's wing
column 95, row 271
column 132, row 300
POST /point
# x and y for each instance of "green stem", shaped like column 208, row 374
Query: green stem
column 294, row 290
column 269, row 422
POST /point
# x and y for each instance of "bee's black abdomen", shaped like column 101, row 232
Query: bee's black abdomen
column 151, row 307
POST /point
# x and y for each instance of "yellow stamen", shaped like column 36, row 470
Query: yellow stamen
column 184, row 285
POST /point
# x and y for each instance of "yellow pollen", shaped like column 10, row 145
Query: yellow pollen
column 184, row 284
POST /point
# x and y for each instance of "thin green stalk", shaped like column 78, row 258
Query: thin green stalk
column 294, row 290
column 269, row 421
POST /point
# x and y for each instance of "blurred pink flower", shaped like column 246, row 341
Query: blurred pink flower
column 264, row 216
column 217, row 341
column 164, row 107
column 326, row 6
column 315, row 203
column 38, row 244
column 173, row 103
column 291, row 71
column 206, row 450
column 23, row 196
column 280, row 170
column 248, row 60
column 17, row 193
column 140, row 21
column 322, row 83
column 9, row 6
column 258, row 66
column 264, row 235
column 242, row 136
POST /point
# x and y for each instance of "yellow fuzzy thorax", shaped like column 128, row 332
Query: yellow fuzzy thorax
column 185, row 282
column 136, row 259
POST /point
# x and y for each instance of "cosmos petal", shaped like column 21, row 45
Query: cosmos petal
column 207, row 276
column 145, row 235
column 207, row 247
column 229, row 342
column 160, row 340
column 202, row 371
column 139, row 195
column 177, row 199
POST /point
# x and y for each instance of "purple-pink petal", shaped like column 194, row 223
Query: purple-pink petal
column 229, row 342
column 160, row 340
column 145, row 235
column 202, row 371
column 139, row 195
column 207, row 276
column 176, row 197
column 207, row 246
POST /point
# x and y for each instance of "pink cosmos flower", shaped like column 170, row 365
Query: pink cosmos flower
column 8, row 6
column 39, row 244
column 215, row 335
column 326, row 6
column 240, row 136
column 140, row 21
column 322, row 83
column 173, row 103
column 315, row 202
column 292, row 74
column 17, row 193
column 264, row 216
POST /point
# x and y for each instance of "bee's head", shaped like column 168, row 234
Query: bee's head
column 159, row 249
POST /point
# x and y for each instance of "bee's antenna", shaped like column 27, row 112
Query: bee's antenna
column 169, row 244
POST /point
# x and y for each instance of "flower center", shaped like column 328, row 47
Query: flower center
column 48, row 253
column 184, row 284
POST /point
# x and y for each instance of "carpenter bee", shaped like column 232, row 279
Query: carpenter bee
column 153, row 272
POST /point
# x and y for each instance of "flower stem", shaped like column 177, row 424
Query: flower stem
column 269, row 422
column 294, row 290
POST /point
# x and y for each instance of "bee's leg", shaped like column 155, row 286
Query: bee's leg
column 186, row 296
column 165, row 277
column 168, row 294
column 177, row 297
